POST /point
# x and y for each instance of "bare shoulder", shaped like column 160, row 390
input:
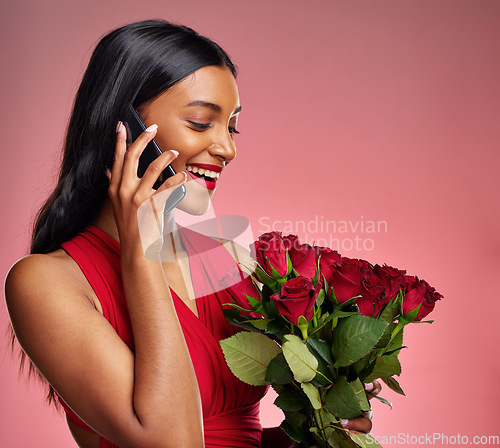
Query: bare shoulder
column 41, row 276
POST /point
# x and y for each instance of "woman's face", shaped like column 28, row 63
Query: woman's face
column 197, row 117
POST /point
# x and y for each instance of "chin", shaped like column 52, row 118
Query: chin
column 197, row 201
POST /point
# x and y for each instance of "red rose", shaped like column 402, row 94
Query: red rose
column 347, row 278
column 392, row 278
column 303, row 259
column 291, row 241
column 372, row 292
column 296, row 298
column 419, row 292
column 237, row 284
column 269, row 251
column 328, row 262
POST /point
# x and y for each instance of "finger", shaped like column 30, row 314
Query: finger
column 372, row 389
column 361, row 424
column 131, row 159
column 154, row 170
column 120, row 149
column 173, row 181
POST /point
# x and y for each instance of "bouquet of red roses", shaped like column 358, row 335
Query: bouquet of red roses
column 320, row 326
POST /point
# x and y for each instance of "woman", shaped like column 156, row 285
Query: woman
column 134, row 361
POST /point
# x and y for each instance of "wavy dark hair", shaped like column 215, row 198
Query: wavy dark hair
column 129, row 66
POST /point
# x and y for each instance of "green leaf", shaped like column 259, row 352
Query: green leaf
column 337, row 313
column 349, row 302
column 324, row 377
column 411, row 315
column 289, row 266
column 234, row 318
column 295, row 418
column 296, row 434
column 278, row 328
column 340, row 314
column 397, row 341
column 313, row 394
column 239, row 308
column 272, row 310
column 342, row 401
column 394, row 385
column 260, row 324
column 321, row 348
column 364, row 440
column 354, row 337
column 301, row 361
column 359, row 390
column 383, row 400
column 340, row 439
column 386, row 316
column 254, row 303
column 248, row 355
column 292, row 400
column 278, row 371
column 265, row 279
column 275, row 274
column 320, row 299
column 385, row 366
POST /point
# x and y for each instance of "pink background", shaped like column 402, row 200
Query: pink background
column 356, row 111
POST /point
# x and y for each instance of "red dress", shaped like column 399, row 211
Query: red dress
column 230, row 407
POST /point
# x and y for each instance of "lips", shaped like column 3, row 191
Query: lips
column 204, row 174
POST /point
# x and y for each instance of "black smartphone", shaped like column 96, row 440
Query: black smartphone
column 135, row 126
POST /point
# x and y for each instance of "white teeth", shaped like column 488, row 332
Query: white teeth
column 202, row 171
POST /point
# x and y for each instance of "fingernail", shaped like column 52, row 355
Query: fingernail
column 185, row 176
column 119, row 127
column 344, row 422
column 152, row 128
column 175, row 152
column 370, row 387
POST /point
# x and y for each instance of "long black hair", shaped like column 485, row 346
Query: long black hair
column 129, row 66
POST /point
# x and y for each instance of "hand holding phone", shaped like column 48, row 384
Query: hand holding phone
column 135, row 126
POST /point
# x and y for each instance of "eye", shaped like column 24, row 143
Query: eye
column 200, row 126
column 233, row 131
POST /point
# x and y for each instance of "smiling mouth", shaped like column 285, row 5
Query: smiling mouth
column 203, row 176
column 202, row 173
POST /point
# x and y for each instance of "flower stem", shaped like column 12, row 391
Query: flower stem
column 318, row 417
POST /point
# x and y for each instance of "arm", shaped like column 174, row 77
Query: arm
column 147, row 400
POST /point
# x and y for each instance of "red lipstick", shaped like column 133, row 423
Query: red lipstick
column 207, row 166
column 204, row 181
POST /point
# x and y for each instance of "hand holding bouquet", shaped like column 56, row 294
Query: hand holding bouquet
column 320, row 325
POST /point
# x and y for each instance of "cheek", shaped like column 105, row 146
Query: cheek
column 187, row 142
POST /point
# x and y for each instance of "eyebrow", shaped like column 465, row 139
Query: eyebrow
column 213, row 106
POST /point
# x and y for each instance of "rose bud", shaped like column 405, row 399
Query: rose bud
column 297, row 298
column 269, row 251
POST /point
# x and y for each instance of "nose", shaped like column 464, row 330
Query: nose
column 224, row 148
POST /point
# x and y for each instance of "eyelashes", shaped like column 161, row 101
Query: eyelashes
column 203, row 126
column 199, row 125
